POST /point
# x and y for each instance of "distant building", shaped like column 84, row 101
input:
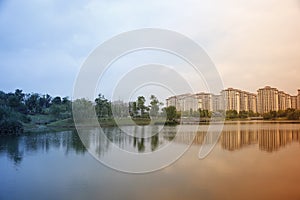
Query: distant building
column 190, row 103
column 252, row 102
column 294, row 102
column 194, row 102
column 239, row 100
column 204, row 101
column 267, row 100
column 244, row 101
column 284, row 101
column 232, row 99
column 179, row 101
column 218, row 102
column 298, row 100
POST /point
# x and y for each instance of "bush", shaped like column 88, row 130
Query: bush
column 293, row 115
column 10, row 127
column 10, row 121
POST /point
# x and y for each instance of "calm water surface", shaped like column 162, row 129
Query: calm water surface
column 250, row 161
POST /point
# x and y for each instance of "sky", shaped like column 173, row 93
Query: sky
column 43, row 44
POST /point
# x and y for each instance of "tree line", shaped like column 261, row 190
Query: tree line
column 106, row 109
column 17, row 107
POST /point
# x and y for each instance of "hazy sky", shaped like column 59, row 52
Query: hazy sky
column 252, row 43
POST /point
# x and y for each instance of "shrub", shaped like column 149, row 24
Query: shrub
column 10, row 127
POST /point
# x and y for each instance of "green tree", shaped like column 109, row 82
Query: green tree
column 32, row 103
column 232, row 114
column 154, row 106
column 56, row 100
column 83, row 109
column 45, row 101
column 133, row 109
column 293, row 114
column 103, row 107
column 10, row 121
column 204, row 113
column 141, row 105
column 243, row 114
column 171, row 113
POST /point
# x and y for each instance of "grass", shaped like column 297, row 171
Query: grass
column 63, row 123
column 45, row 123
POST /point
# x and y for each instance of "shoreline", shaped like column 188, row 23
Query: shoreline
column 65, row 125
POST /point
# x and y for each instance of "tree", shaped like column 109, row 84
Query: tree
column 56, row 100
column 67, row 103
column 56, row 110
column 16, row 101
column 204, row 113
column 45, row 101
column 293, row 114
column 10, row 121
column 133, row 109
column 32, row 103
column 103, row 107
column 243, row 114
column 171, row 113
column 154, row 106
column 141, row 105
column 231, row 114
column 83, row 109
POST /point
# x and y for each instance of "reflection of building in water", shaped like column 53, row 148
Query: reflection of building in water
column 232, row 138
column 272, row 140
column 235, row 140
column 267, row 139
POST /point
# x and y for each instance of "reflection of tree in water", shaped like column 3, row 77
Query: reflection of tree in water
column 74, row 143
column 155, row 138
column 154, row 142
column 102, row 142
column 139, row 142
column 17, row 147
column 141, row 139
column 169, row 133
column 10, row 146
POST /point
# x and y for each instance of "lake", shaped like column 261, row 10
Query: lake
column 251, row 160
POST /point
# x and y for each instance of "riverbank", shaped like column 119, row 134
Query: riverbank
column 68, row 124
column 42, row 124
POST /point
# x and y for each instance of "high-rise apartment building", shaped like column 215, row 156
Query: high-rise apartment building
column 284, row 101
column 177, row 101
column 239, row 100
column 267, row 100
column 252, row 102
column 204, row 101
column 244, row 98
column 190, row 103
column 232, row 99
column 218, row 102
column 294, row 102
column 298, row 100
